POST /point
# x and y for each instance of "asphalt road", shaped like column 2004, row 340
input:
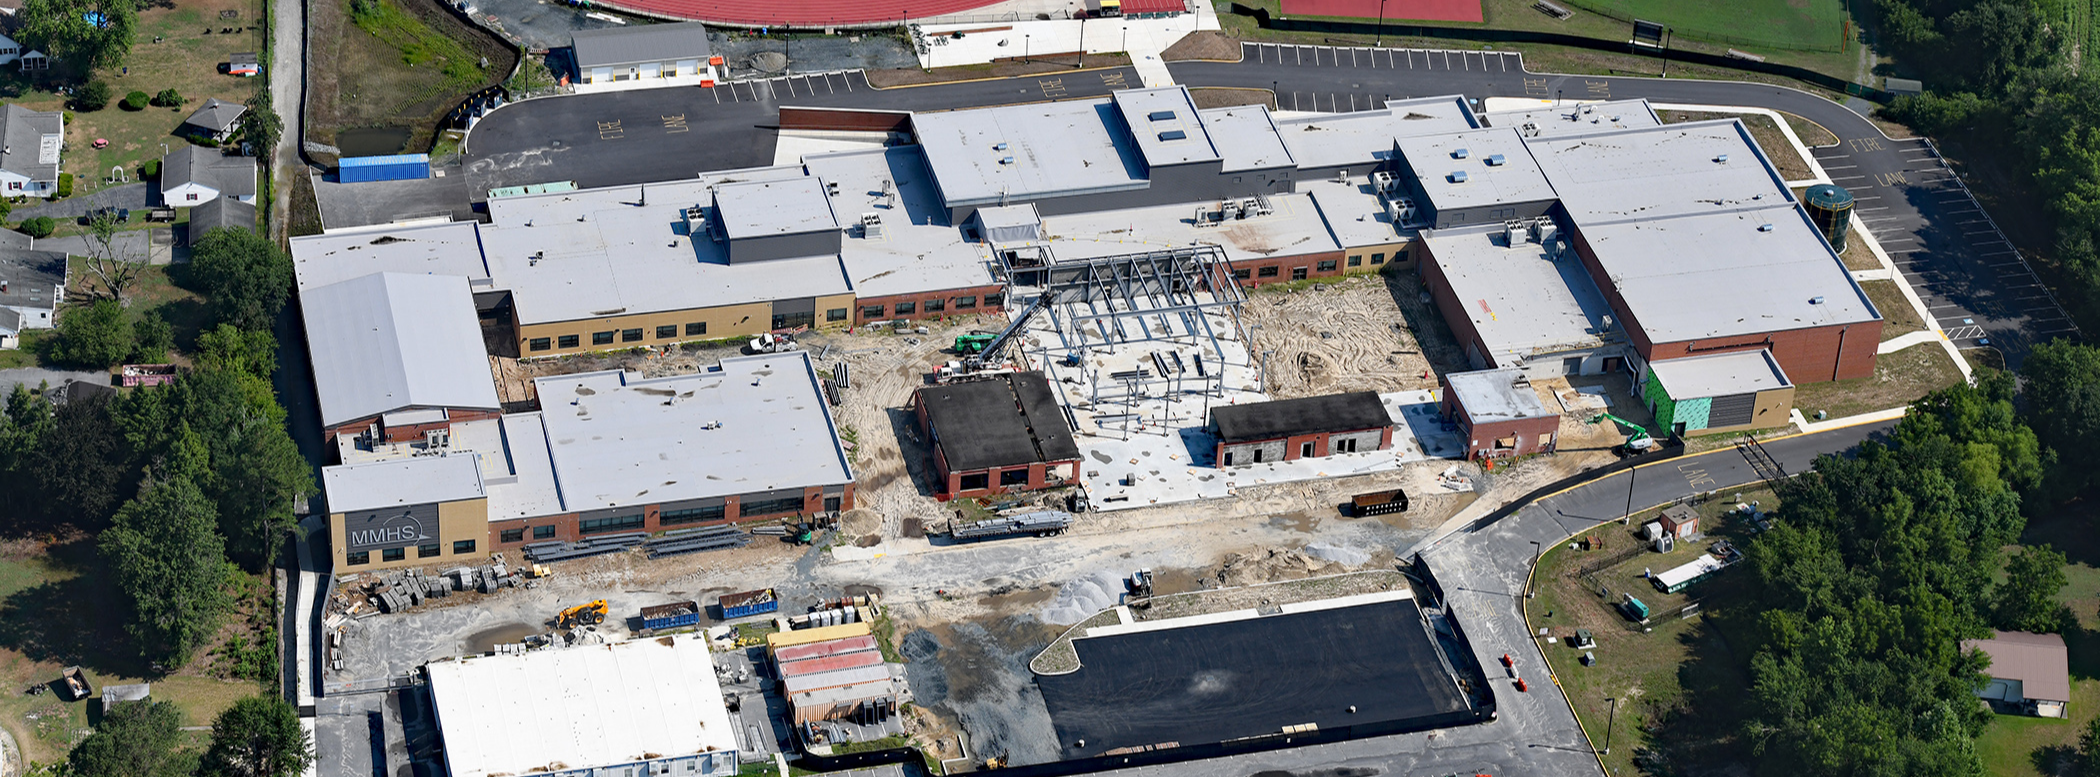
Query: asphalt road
column 1975, row 284
column 666, row 134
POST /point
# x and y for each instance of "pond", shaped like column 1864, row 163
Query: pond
column 372, row 141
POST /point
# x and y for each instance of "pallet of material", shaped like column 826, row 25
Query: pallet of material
column 696, row 546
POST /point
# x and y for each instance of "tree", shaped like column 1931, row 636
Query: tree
column 136, row 739
column 170, row 562
column 93, row 96
column 169, row 98
column 245, row 275
column 40, row 226
column 116, row 262
column 81, row 466
column 2089, row 747
column 95, row 335
column 152, row 337
column 94, row 32
column 2063, row 399
column 2026, row 601
column 260, row 125
column 137, row 101
column 244, row 351
column 253, row 470
column 258, row 736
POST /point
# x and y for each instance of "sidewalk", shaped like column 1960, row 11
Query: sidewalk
column 1143, row 39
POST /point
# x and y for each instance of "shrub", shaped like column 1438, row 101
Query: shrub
column 65, row 185
column 168, row 98
column 136, row 101
column 94, row 335
column 40, row 226
column 92, row 97
column 150, row 169
column 151, row 337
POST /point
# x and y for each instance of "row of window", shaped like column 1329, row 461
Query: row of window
column 1298, row 273
column 518, row 535
column 460, row 548
column 666, row 518
column 667, row 332
column 935, row 305
column 976, row 481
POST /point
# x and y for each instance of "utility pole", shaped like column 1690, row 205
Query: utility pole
column 1608, row 721
column 1381, row 24
column 1667, row 33
column 1630, row 472
column 1082, row 45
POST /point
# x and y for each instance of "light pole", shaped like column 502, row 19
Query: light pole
column 1608, row 721
column 1667, row 32
column 1024, row 47
column 1381, row 25
column 1082, row 45
column 1630, row 472
column 1537, row 550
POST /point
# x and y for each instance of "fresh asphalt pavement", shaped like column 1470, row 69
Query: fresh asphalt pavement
column 673, row 133
column 1975, row 284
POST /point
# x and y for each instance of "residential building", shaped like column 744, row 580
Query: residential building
column 643, row 56
column 32, row 283
column 194, row 175
column 215, row 121
column 30, row 144
column 2030, row 673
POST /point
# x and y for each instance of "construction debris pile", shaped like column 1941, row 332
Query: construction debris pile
column 669, row 543
column 392, row 592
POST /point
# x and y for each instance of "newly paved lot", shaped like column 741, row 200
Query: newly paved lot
column 673, row 133
column 1977, row 286
column 1222, row 681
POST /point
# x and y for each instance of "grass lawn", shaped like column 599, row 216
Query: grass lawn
column 1762, row 129
column 1791, row 24
column 1658, row 674
column 1857, row 255
column 1898, row 317
column 2015, row 746
column 1898, row 378
column 394, row 63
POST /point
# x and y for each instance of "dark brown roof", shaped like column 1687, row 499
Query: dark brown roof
column 2038, row 661
column 1006, row 421
column 1309, row 415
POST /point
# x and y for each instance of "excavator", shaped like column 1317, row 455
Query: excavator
column 1637, row 439
column 590, row 614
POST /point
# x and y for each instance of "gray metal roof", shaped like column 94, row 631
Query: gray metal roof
column 1496, row 395
column 390, row 341
column 765, row 208
column 753, row 424
column 33, row 279
column 1675, row 169
column 221, row 212
column 435, row 249
column 30, row 142
column 1293, row 228
column 1720, row 374
column 637, row 44
column 2039, row 661
column 1164, row 123
column 1057, row 149
column 399, row 482
column 1438, row 159
column 1563, row 120
column 1247, row 138
column 232, row 175
column 1366, row 137
column 216, row 115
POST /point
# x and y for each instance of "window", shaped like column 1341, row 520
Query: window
column 994, row 300
column 1327, row 265
column 832, row 503
column 543, row 532
column 974, row 481
column 693, row 515
column 667, row 331
column 791, row 504
column 1297, row 273
column 567, row 341
column 393, row 554
column 1242, row 274
column 696, row 329
column 1546, row 440
column 966, row 303
column 1265, row 272
column 793, row 320
column 835, row 314
column 1378, row 258
column 512, row 535
column 871, row 311
column 1305, row 451
column 601, row 338
column 1356, row 260
column 192, row 197
column 615, row 523
column 462, row 547
column 1013, row 477
column 426, row 551
column 358, row 558
column 936, row 305
column 630, row 335
column 907, row 308
column 1345, row 445
column 541, row 343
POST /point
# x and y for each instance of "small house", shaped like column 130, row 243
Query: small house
column 194, row 175
column 31, row 285
column 216, row 120
column 10, row 51
column 643, row 56
column 1680, row 521
column 2030, row 673
column 220, row 212
column 30, row 143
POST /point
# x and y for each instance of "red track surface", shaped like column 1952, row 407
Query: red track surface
column 1420, row 10
column 799, row 13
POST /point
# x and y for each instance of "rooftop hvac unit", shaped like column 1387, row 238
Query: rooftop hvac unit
column 1257, row 205
column 1530, row 129
column 1401, row 209
column 1722, row 159
column 437, row 438
column 1341, row 176
column 1544, row 230
column 1000, row 146
column 1495, row 160
column 696, row 222
column 1384, row 182
column 871, row 226
column 1513, row 233
column 1006, row 160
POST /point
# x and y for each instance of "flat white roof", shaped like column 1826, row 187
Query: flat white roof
column 1353, row 212
column 1565, row 119
column 1496, row 395
column 1165, row 123
column 1720, row 374
column 1521, row 301
column 1659, row 172
column 428, row 249
column 581, row 707
column 1366, row 137
column 1703, row 564
column 755, row 423
column 622, row 250
column 398, row 482
column 777, row 207
column 918, row 250
column 1497, row 168
column 1293, row 228
column 1723, row 274
column 389, row 341
column 1058, row 149
column 530, row 488
column 1246, row 138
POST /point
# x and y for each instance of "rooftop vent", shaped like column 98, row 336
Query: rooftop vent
column 1722, row 159
column 1495, row 160
column 1459, row 153
column 1173, row 135
column 1007, row 160
column 1161, row 116
column 1000, row 146
column 1458, row 176
column 1764, row 227
column 1815, row 300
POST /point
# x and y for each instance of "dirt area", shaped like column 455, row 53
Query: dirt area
column 1205, row 45
column 1350, row 335
column 1765, row 131
column 408, row 65
column 1857, row 256
column 1898, row 378
column 1812, row 135
column 1898, row 317
column 1045, row 63
column 1226, row 97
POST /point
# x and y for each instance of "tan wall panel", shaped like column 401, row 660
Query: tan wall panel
column 727, row 321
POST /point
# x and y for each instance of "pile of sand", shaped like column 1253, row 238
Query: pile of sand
column 1079, row 599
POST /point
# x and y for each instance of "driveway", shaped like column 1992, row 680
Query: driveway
column 132, row 196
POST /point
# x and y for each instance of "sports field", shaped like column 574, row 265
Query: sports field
column 1814, row 25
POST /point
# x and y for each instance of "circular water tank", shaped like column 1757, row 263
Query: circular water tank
column 1830, row 207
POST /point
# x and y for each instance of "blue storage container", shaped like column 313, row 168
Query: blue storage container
column 749, row 603
column 393, row 167
column 670, row 616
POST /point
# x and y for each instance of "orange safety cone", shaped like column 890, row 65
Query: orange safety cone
column 1506, row 661
column 1521, row 686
